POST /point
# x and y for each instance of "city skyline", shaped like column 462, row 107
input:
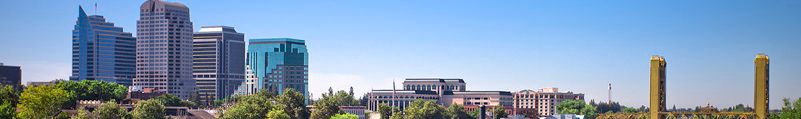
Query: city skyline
column 530, row 45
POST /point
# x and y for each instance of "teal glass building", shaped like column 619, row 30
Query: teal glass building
column 279, row 63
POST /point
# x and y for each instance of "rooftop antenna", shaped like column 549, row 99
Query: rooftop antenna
column 95, row 7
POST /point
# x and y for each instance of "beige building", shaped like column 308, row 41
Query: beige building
column 444, row 91
column 543, row 101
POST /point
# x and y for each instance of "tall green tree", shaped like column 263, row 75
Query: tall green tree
column 499, row 112
column 39, row 102
column 148, row 109
column 248, row 107
column 577, row 107
column 456, row 111
column 293, row 103
column 111, row 110
column 278, row 114
column 325, row 108
column 329, row 104
column 791, row 110
column 420, row 109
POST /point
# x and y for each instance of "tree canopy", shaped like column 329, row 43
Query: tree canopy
column 248, row 107
column 293, row 103
column 576, row 107
column 38, row 102
column 148, row 109
column 329, row 104
column 278, row 114
column 420, row 109
column 111, row 110
column 499, row 112
column 790, row 110
column 456, row 111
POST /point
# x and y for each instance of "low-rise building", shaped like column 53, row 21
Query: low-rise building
column 443, row 91
column 544, row 100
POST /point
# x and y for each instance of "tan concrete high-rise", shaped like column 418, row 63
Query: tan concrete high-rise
column 761, row 78
column 164, row 48
column 657, row 91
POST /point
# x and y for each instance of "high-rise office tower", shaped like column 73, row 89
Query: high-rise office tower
column 218, row 66
column 657, row 91
column 279, row 63
column 164, row 48
column 761, row 85
column 11, row 75
column 101, row 51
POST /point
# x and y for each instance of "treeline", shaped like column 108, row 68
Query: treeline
column 48, row 101
column 790, row 109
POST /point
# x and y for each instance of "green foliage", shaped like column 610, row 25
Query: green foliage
column 577, row 107
column 419, row 109
column 92, row 90
column 168, row 100
column 40, row 102
column 278, row 114
column 111, row 110
column 456, row 111
column 345, row 116
column 148, row 109
column 396, row 116
column 499, row 112
column 739, row 108
column 7, row 111
column 475, row 114
column 82, row 114
column 248, row 107
column 293, row 104
column 325, row 108
column 7, row 93
column 329, row 104
column 605, row 107
column 386, row 111
column 791, row 110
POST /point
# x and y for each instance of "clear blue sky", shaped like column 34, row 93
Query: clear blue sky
column 578, row 46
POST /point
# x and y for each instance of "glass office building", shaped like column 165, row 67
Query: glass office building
column 218, row 54
column 279, row 63
column 101, row 51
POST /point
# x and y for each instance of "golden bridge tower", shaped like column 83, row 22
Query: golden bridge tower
column 761, row 77
column 657, row 94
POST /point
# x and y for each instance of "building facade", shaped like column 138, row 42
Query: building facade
column 101, row 51
column 164, row 48
column 543, row 101
column 444, row 91
column 248, row 87
column 218, row 62
column 279, row 63
column 11, row 75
